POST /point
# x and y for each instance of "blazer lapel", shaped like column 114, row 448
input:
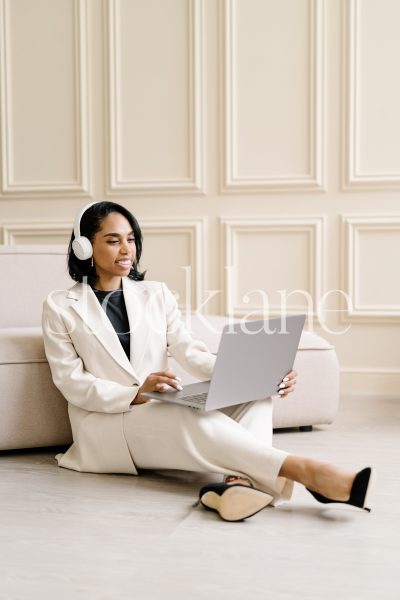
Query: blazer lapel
column 88, row 308
column 137, row 303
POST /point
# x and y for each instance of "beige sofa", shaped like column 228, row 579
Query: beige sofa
column 32, row 411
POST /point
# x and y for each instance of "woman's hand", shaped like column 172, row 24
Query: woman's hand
column 287, row 385
column 157, row 382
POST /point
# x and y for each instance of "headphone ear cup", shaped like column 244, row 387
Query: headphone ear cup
column 82, row 248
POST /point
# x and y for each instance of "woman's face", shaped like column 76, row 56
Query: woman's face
column 114, row 248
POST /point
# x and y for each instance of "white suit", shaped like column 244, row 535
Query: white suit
column 92, row 371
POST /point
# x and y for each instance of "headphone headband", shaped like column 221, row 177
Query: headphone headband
column 77, row 222
column 81, row 245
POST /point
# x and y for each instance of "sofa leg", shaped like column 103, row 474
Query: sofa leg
column 306, row 428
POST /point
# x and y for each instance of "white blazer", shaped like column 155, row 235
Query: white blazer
column 92, row 371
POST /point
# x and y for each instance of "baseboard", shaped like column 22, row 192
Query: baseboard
column 370, row 381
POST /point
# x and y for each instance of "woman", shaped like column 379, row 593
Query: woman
column 106, row 340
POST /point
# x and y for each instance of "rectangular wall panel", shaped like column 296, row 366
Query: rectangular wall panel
column 372, row 280
column 273, row 265
column 174, row 252
column 43, row 97
column 154, row 95
column 373, row 93
column 273, row 69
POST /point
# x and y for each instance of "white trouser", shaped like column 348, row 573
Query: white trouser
column 232, row 441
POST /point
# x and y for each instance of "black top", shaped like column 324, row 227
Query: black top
column 113, row 304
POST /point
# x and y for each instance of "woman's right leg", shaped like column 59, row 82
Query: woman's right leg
column 256, row 417
column 324, row 478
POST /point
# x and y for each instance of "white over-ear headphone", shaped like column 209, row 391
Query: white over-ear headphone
column 81, row 245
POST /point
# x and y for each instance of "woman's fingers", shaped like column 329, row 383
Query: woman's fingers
column 287, row 385
column 162, row 382
column 175, row 381
column 288, row 382
column 162, row 387
column 286, row 391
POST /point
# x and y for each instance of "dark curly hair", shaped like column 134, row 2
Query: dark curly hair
column 90, row 224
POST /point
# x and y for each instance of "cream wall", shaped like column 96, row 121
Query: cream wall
column 257, row 142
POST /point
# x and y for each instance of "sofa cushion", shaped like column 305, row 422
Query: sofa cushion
column 208, row 328
column 25, row 344
column 311, row 341
column 21, row 345
column 32, row 272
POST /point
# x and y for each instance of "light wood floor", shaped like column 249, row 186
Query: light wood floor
column 76, row 535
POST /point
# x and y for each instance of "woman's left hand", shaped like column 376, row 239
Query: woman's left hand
column 288, row 384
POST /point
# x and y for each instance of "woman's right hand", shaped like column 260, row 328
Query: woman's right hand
column 157, row 382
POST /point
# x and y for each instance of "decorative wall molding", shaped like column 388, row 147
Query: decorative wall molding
column 14, row 231
column 314, row 180
column 352, row 176
column 351, row 228
column 313, row 227
column 33, row 189
column 194, row 183
column 195, row 230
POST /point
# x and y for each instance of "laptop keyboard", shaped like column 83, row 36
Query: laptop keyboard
column 196, row 398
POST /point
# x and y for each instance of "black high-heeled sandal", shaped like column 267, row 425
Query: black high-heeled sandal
column 233, row 502
column 360, row 490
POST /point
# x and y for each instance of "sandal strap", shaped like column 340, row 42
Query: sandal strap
column 233, row 477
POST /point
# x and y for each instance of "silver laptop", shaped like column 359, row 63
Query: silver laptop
column 253, row 358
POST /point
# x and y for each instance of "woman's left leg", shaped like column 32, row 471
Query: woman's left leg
column 161, row 435
column 255, row 416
